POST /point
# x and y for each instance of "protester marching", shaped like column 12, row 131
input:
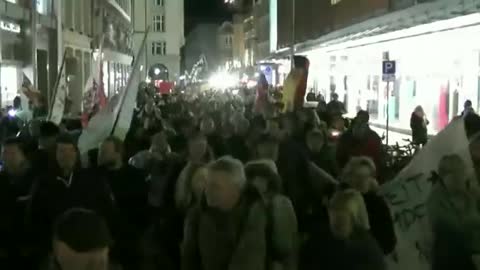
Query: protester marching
column 238, row 179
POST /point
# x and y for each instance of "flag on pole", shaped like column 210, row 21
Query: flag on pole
column 94, row 98
column 103, row 123
column 57, row 108
column 128, row 102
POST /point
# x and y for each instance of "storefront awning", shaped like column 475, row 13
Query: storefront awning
column 442, row 15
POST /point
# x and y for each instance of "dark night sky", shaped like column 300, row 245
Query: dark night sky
column 209, row 11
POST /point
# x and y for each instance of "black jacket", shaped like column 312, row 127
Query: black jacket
column 419, row 129
column 53, row 195
column 381, row 222
column 325, row 252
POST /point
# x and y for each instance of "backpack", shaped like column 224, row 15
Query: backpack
column 273, row 253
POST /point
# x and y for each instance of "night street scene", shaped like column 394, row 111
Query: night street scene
column 239, row 135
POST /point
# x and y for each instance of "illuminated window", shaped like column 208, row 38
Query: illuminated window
column 228, row 41
column 334, row 2
column 159, row 48
column 159, row 23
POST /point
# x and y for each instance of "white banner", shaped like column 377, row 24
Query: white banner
column 104, row 122
column 94, row 97
column 99, row 127
column 57, row 108
column 408, row 193
column 128, row 104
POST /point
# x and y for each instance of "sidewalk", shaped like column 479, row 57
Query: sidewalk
column 394, row 136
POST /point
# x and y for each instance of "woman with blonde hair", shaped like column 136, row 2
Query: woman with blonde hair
column 359, row 174
column 348, row 243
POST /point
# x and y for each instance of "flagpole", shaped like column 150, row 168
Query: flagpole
column 136, row 63
column 57, row 83
column 34, row 42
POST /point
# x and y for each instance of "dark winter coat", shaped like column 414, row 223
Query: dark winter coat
column 325, row 252
column 129, row 191
column 455, row 221
column 52, row 196
column 370, row 146
column 216, row 240
column 381, row 222
column 419, row 129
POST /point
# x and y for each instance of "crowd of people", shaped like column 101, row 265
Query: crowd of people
column 206, row 182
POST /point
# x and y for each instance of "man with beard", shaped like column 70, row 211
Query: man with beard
column 130, row 194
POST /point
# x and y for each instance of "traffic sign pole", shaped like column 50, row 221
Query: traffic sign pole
column 388, row 70
column 388, row 111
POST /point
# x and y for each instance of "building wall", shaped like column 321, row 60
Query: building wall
column 225, row 45
column 238, row 39
column 250, row 41
column 262, row 28
column 315, row 18
column 202, row 40
column 86, row 25
column 350, row 12
column 16, row 47
column 173, row 36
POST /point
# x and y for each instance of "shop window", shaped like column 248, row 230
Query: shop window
column 334, row 2
column 8, row 84
column 43, row 6
column 159, row 48
column 372, row 103
column 396, row 96
column 106, row 86
column 86, row 66
column 159, row 23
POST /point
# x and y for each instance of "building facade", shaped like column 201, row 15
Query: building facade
column 17, row 41
column 87, row 25
column 225, row 46
column 238, row 42
column 201, row 47
column 165, row 19
column 433, row 41
column 69, row 28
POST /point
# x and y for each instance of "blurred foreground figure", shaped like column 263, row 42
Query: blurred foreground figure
column 228, row 229
column 454, row 215
column 81, row 242
column 347, row 245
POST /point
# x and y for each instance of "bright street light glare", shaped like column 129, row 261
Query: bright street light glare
column 222, row 80
column 156, row 71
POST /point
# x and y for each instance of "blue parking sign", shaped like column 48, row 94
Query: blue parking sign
column 389, row 68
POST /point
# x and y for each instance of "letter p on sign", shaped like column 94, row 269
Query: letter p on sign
column 389, row 69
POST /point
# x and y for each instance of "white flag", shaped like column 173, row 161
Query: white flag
column 103, row 123
column 57, row 108
column 408, row 193
column 94, row 98
column 128, row 104
column 99, row 127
